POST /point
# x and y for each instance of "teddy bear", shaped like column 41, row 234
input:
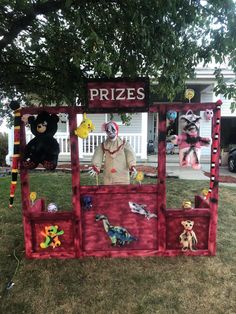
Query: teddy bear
column 51, row 237
column 189, row 141
column 188, row 237
column 43, row 148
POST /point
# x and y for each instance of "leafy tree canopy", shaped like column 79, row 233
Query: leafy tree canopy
column 49, row 47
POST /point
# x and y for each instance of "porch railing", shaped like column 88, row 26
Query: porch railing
column 94, row 139
column 88, row 146
column 62, row 139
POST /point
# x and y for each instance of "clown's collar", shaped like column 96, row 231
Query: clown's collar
column 113, row 147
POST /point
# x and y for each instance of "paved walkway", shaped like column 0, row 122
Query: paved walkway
column 173, row 169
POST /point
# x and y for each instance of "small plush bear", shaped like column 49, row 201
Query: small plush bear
column 188, row 237
column 43, row 148
column 51, row 234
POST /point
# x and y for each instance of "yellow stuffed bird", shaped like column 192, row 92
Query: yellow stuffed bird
column 85, row 127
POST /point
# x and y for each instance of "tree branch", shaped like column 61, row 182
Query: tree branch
column 40, row 67
column 22, row 22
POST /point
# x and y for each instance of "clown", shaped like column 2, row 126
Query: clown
column 119, row 157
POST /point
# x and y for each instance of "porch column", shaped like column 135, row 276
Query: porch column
column 144, row 126
column 79, row 120
column 10, row 145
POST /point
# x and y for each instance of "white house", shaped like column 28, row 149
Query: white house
column 143, row 125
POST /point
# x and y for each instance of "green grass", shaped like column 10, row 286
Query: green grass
column 135, row 285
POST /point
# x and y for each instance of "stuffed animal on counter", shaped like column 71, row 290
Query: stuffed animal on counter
column 119, row 157
column 189, row 141
column 208, row 114
column 188, row 237
column 85, row 127
column 43, row 148
column 186, row 204
column 86, row 202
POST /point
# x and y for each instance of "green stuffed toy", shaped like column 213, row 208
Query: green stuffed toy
column 51, row 237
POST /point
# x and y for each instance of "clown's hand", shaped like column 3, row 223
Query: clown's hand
column 93, row 171
column 133, row 172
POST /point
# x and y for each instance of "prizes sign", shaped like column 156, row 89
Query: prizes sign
column 116, row 94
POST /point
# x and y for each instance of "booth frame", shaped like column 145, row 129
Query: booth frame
column 156, row 237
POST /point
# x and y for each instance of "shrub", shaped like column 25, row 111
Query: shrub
column 3, row 148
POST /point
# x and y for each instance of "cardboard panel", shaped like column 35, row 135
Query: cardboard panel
column 66, row 239
column 117, row 210
column 174, row 229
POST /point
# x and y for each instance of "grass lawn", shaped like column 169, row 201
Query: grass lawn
column 136, row 285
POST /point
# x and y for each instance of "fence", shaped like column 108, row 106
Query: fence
column 89, row 145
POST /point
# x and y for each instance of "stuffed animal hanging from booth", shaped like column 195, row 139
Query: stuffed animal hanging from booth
column 119, row 157
column 208, row 114
column 189, row 141
column 43, row 148
column 85, row 127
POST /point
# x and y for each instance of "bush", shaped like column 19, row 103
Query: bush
column 3, row 148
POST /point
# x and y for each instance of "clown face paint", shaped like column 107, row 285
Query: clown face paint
column 111, row 129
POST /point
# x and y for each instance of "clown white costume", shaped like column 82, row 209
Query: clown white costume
column 119, row 157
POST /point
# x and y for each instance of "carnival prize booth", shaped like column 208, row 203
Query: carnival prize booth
column 117, row 220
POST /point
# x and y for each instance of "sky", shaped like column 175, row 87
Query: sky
column 3, row 128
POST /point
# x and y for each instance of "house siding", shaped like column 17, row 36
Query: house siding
column 134, row 127
column 97, row 119
column 205, row 126
column 135, row 133
column 150, row 127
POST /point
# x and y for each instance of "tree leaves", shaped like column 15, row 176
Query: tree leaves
column 67, row 41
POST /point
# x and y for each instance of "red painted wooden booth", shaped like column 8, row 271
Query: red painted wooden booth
column 155, row 237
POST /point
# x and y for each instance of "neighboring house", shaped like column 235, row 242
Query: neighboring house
column 143, row 125
column 203, row 85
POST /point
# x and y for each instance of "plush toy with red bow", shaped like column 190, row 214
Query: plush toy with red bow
column 188, row 238
column 189, row 141
column 118, row 155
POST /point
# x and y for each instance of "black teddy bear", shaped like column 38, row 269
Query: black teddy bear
column 43, row 148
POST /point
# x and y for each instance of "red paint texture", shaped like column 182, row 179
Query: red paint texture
column 117, row 210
